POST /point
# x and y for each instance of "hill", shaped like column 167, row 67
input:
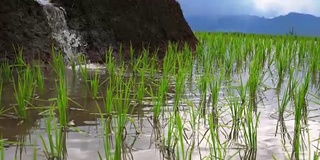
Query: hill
column 302, row 24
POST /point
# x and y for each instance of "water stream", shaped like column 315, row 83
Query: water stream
column 68, row 40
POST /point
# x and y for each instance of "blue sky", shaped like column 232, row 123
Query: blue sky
column 266, row 8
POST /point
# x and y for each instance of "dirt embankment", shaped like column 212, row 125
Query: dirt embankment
column 102, row 23
column 23, row 24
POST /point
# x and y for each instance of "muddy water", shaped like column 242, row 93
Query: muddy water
column 142, row 141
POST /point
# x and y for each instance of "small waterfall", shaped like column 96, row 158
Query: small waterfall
column 68, row 40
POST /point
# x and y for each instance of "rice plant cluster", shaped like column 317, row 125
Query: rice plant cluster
column 207, row 103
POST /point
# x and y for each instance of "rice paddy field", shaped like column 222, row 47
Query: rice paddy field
column 239, row 97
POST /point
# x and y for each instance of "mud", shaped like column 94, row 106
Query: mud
column 23, row 24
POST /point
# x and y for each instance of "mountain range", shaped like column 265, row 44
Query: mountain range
column 297, row 23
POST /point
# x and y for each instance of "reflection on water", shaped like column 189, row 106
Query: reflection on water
column 144, row 133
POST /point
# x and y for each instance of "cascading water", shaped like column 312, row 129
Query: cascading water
column 68, row 40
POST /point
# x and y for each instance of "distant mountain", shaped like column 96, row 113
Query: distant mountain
column 302, row 24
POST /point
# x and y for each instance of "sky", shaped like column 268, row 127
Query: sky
column 265, row 8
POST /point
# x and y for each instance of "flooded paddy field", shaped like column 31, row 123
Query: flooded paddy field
column 239, row 97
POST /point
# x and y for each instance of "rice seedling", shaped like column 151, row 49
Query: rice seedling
column 297, row 126
column 194, row 125
column 161, row 96
column 24, row 90
column 5, row 70
column 203, row 88
column 281, row 126
column 168, row 64
column 2, row 149
column 153, row 67
column 303, row 93
column 119, row 135
column 229, row 59
column 83, row 67
column 135, row 63
column 58, row 63
column 55, row 148
column 282, row 63
column 313, row 65
column 180, row 78
column 19, row 59
column 94, row 83
column 110, row 65
column 180, row 137
column 217, row 150
column 250, row 128
column 226, row 78
column 167, row 148
column 282, row 105
column 237, row 113
column 107, row 119
column 35, row 152
column 300, row 113
column 215, row 87
column 141, row 83
column 108, row 101
column 62, row 101
column 40, row 79
column 122, row 104
column 51, row 150
column 140, row 91
column 253, row 81
column 106, row 140
column 120, row 101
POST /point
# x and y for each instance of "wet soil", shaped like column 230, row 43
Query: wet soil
column 24, row 25
column 144, row 24
column 103, row 24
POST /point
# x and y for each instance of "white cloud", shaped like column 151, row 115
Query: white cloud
column 281, row 7
column 268, row 8
column 212, row 7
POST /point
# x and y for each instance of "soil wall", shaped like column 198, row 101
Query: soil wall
column 23, row 24
column 102, row 23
